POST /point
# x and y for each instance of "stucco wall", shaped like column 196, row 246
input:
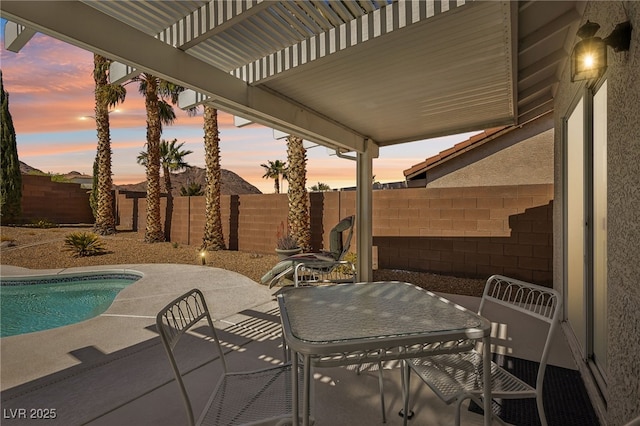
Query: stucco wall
column 521, row 157
column 623, row 172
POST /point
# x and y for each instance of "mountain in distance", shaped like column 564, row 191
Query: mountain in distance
column 25, row 169
column 231, row 184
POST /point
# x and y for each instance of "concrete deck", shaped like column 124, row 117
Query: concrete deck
column 112, row 369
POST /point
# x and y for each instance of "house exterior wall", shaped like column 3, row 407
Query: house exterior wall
column 623, row 193
column 521, row 157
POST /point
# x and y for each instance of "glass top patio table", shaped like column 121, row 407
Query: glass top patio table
column 389, row 319
column 361, row 315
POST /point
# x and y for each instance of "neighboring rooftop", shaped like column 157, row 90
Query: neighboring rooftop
column 505, row 155
column 447, row 154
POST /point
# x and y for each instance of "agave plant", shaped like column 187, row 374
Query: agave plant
column 83, row 244
column 287, row 242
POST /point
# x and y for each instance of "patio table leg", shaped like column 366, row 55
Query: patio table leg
column 486, row 378
column 294, row 388
column 405, row 391
column 307, row 387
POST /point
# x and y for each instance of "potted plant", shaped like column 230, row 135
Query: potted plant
column 286, row 245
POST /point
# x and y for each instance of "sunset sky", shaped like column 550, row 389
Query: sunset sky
column 50, row 88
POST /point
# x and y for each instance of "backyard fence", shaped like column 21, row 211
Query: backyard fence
column 471, row 231
column 55, row 202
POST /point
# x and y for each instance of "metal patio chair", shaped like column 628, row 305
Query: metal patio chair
column 254, row 397
column 338, row 248
column 324, row 273
column 456, row 377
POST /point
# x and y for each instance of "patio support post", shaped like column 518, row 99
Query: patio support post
column 364, row 210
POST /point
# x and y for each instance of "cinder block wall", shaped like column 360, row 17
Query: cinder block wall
column 56, row 202
column 475, row 231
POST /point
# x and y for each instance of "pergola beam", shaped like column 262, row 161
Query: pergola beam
column 84, row 26
column 208, row 20
column 16, row 36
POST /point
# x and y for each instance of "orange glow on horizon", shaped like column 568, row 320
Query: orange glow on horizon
column 51, row 86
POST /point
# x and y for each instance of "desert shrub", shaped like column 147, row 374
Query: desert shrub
column 345, row 269
column 286, row 243
column 83, row 244
column 43, row 224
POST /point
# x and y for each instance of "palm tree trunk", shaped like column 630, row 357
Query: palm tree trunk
column 298, row 218
column 168, row 216
column 153, row 230
column 105, row 220
column 213, row 237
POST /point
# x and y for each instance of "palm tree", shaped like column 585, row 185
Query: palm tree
column 298, row 218
column 213, row 238
column 321, row 187
column 159, row 112
column 193, row 189
column 171, row 160
column 106, row 95
column 273, row 170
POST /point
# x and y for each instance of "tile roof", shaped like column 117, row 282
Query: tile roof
column 473, row 142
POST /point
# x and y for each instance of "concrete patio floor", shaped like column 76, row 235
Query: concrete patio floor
column 112, row 369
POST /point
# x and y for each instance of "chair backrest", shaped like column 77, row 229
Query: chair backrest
column 173, row 322
column 338, row 247
column 541, row 303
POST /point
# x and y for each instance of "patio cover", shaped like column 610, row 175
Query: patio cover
column 351, row 75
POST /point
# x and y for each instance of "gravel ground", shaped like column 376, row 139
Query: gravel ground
column 38, row 248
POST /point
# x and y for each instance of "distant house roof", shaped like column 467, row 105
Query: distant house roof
column 459, row 148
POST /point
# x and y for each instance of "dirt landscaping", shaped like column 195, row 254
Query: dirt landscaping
column 43, row 248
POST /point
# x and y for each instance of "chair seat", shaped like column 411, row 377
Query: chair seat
column 254, row 397
column 452, row 375
column 459, row 376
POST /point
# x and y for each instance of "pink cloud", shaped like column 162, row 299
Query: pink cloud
column 51, row 86
column 54, row 149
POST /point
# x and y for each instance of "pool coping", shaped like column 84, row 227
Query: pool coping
column 24, row 280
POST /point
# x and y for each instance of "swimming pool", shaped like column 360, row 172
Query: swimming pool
column 29, row 304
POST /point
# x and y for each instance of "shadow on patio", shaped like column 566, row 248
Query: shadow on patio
column 134, row 385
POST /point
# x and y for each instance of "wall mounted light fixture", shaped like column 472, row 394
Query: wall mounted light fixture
column 589, row 56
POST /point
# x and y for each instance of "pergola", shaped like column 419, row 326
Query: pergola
column 350, row 75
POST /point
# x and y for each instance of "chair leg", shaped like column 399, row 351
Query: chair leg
column 543, row 418
column 285, row 349
column 458, row 407
column 381, row 384
column 478, row 401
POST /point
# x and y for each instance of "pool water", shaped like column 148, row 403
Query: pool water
column 44, row 303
